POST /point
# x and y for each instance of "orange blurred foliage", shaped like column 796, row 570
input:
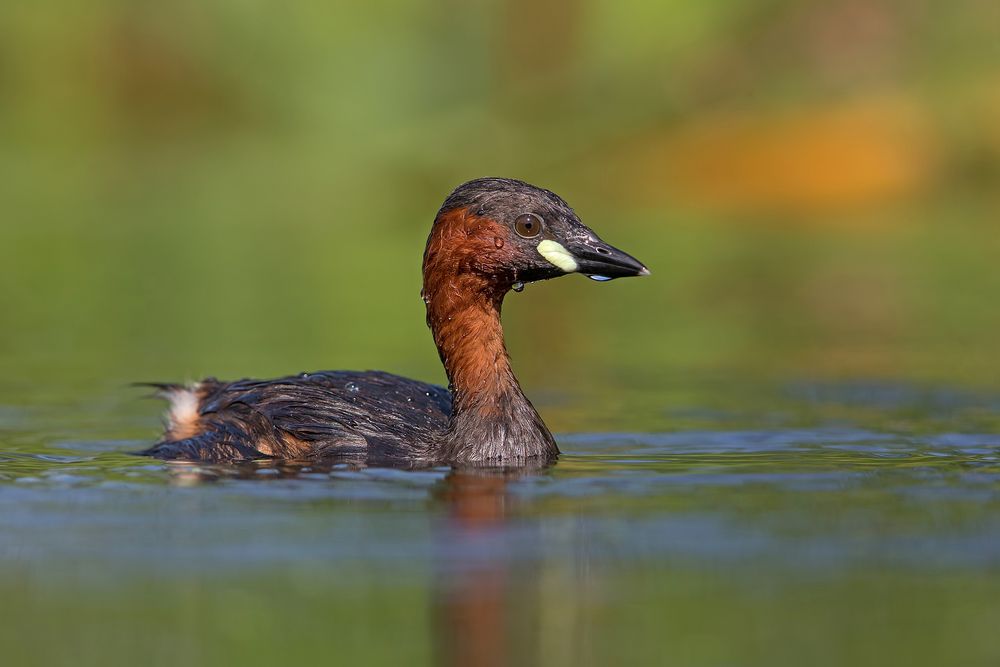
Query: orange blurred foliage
column 808, row 161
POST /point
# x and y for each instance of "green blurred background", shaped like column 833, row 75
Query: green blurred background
column 244, row 188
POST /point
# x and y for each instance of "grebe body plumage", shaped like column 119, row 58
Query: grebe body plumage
column 490, row 236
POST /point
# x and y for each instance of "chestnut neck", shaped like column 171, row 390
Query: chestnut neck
column 464, row 319
column 492, row 422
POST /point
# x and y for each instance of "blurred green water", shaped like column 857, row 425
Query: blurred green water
column 758, row 547
column 658, row 618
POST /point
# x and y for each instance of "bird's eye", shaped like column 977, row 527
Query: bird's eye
column 528, row 225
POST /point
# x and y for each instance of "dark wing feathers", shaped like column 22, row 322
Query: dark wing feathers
column 331, row 412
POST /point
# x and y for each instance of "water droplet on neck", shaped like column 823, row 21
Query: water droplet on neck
column 424, row 297
column 518, row 286
column 600, row 279
column 352, row 387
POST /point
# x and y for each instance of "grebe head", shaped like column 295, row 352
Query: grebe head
column 490, row 235
column 510, row 232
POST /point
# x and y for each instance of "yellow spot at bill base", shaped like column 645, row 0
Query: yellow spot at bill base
column 557, row 255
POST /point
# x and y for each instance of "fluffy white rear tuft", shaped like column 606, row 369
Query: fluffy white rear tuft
column 182, row 416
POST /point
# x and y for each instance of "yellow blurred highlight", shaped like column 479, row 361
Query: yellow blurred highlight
column 811, row 160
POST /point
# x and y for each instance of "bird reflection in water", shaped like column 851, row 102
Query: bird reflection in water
column 485, row 594
column 475, row 582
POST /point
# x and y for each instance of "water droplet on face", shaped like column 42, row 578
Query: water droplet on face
column 352, row 387
column 518, row 286
column 424, row 297
column 498, row 242
column 599, row 279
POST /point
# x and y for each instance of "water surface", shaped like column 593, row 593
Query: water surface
column 803, row 534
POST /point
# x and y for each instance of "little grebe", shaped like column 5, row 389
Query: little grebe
column 490, row 236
